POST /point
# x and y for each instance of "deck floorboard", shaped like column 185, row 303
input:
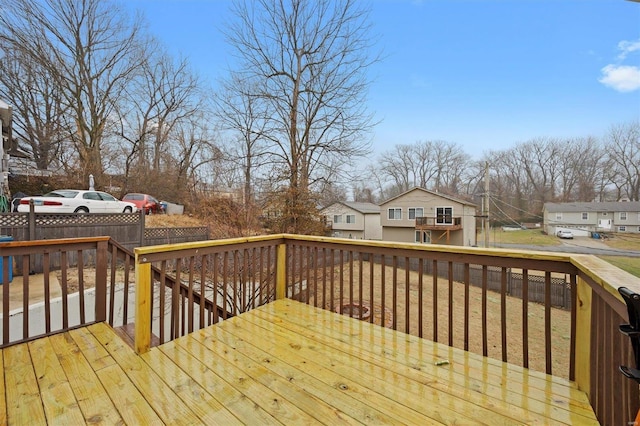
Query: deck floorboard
column 283, row 363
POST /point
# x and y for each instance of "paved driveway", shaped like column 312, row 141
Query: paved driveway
column 581, row 245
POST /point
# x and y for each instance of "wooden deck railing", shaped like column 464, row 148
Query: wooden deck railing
column 463, row 297
column 454, row 295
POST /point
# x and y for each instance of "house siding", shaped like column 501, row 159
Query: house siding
column 366, row 226
column 403, row 229
column 602, row 217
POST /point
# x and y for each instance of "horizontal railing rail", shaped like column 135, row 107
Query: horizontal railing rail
column 432, row 221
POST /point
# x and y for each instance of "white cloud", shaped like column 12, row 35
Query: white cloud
column 627, row 47
column 623, row 78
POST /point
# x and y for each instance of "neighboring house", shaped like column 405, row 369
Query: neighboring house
column 354, row 220
column 584, row 218
column 424, row 216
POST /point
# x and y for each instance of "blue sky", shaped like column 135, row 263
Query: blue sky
column 485, row 74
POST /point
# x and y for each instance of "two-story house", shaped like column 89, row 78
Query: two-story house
column 583, row 218
column 423, row 216
column 354, row 220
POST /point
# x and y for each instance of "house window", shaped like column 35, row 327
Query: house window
column 623, row 215
column 395, row 214
column 415, row 212
column 559, row 216
column 337, row 218
column 351, row 218
column 444, row 215
column 604, row 213
column 418, row 236
column 585, row 216
column 622, row 228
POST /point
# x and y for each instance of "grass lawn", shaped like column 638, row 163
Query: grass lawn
column 524, row 236
column 629, row 264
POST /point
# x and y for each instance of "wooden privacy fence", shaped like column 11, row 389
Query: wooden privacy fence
column 128, row 229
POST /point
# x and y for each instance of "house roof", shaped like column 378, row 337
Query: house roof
column 606, row 206
column 434, row 193
column 364, row 208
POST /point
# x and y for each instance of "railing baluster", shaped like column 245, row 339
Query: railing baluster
column 450, row 282
column 503, row 312
column 383, row 264
column 162, row 290
column 407, row 292
column 394, row 293
column 525, row 318
column 25, row 299
column 420, row 295
column 371, row 289
column 350, row 256
column 547, row 321
column 63, row 288
column 360, row 287
column 46, row 265
column 485, row 347
column 191, row 311
column 467, row 283
column 434, row 287
column 80, row 269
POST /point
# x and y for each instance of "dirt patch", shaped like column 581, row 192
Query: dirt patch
column 448, row 303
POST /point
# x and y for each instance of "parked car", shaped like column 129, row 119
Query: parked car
column 567, row 235
column 76, row 201
column 144, row 201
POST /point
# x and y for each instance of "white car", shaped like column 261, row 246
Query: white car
column 76, row 201
column 567, row 235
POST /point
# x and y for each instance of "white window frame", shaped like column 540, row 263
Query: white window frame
column 585, row 215
column 337, row 218
column 393, row 211
column 351, row 218
column 623, row 215
column 418, row 237
column 622, row 228
column 558, row 215
column 444, row 215
column 413, row 212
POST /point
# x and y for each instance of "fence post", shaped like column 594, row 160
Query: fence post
column 281, row 271
column 101, row 281
column 143, row 305
column 583, row 336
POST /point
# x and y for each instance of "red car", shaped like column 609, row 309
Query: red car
column 144, row 201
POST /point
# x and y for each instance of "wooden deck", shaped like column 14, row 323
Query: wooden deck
column 284, row 363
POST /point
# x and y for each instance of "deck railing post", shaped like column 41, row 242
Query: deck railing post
column 101, row 281
column 281, row 271
column 583, row 336
column 143, row 305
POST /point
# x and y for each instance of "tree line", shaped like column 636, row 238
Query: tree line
column 287, row 128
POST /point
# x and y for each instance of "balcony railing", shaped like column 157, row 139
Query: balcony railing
column 480, row 300
column 438, row 223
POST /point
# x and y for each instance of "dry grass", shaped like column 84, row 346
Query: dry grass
column 560, row 319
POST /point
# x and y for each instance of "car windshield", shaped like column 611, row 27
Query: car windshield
column 64, row 194
column 133, row 197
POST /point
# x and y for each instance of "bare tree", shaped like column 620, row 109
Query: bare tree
column 245, row 116
column 164, row 93
column 38, row 120
column 308, row 61
column 623, row 147
column 91, row 50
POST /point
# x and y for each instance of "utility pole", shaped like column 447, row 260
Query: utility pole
column 485, row 205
